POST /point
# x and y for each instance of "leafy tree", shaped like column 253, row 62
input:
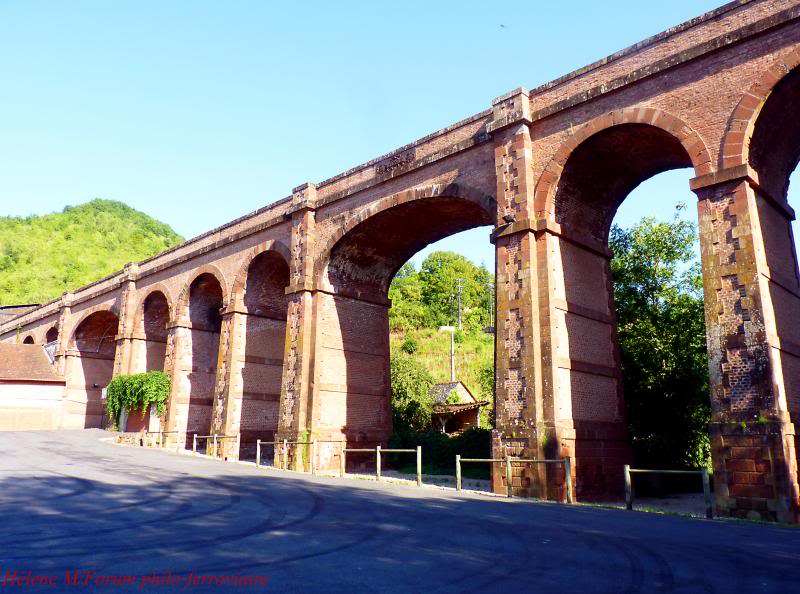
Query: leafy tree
column 438, row 279
column 412, row 404
column 407, row 311
column 661, row 329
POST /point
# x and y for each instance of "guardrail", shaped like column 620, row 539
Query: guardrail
column 378, row 451
column 508, row 462
column 216, row 438
column 629, row 491
column 285, row 451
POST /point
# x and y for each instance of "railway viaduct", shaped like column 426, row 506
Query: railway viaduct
column 276, row 324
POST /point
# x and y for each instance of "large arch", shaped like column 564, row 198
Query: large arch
column 262, row 326
column 90, row 367
column 583, row 186
column 199, row 321
column 354, row 270
column 150, row 331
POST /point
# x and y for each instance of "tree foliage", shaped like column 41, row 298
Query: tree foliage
column 661, row 328
column 43, row 256
column 428, row 298
column 137, row 392
column 412, row 404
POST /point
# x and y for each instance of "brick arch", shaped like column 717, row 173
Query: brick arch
column 156, row 288
column 88, row 313
column 240, row 282
column 182, row 303
column 431, row 191
column 545, row 191
column 29, row 339
column 735, row 149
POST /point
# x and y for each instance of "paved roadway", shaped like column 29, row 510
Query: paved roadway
column 71, row 502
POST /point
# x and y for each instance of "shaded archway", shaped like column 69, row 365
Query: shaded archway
column 150, row 335
column 29, row 339
column 51, row 336
column 265, row 304
column 90, row 367
column 597, row 177
column 205, row 301
column 352, row 355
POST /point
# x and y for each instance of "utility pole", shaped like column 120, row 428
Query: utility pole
column 491, row 304
column 459, row 287
column 452, row 331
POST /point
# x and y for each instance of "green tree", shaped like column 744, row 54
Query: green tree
column 412, row 405
column 438, row 279
column 407, row 312
column 661, row 329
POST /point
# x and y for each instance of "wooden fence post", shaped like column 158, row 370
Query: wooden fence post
column 568, row 473
column 628, row 488
column 458, row 472
column 378, row 463
column 419, row 466
column 707, row 493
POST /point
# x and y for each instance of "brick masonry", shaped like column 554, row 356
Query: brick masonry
column 276, row 325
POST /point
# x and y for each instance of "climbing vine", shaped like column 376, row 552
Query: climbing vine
column 137, row 392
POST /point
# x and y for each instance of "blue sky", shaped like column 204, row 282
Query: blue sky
column 197, row 112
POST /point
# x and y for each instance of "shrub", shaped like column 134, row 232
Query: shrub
column 137, row 392
column 410, row 345
column 412, row 405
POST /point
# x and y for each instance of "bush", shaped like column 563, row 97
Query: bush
column 439, row 450
column 410, row 345
column 412, row 405
column 137, row 392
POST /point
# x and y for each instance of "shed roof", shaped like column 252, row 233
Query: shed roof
column 20, row 362
column 439, row 392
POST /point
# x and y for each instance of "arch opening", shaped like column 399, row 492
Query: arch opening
column 151, row 339
column 353, row 354
column 603, row 170
column 94, row 346
column 265, row 303
column 205, row 301
column 591, row 371
column 29, row 340
column 52, row 335
column 774, row 148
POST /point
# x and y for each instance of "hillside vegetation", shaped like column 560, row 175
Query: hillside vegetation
column 41, row 257
column 424, row 300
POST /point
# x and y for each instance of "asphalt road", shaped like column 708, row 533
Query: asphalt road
column 72, row 503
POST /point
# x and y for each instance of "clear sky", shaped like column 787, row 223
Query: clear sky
column 197, row 112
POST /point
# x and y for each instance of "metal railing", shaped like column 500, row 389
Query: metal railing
column 160, row 438
column 378, row 451
column 629, row 491
column 508, row 462
column 216, row 437
column 285, row 452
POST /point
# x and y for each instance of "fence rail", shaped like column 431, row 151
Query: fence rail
column 703, row 472
column 508, row 462
column 378, row 451
column 216, row 437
